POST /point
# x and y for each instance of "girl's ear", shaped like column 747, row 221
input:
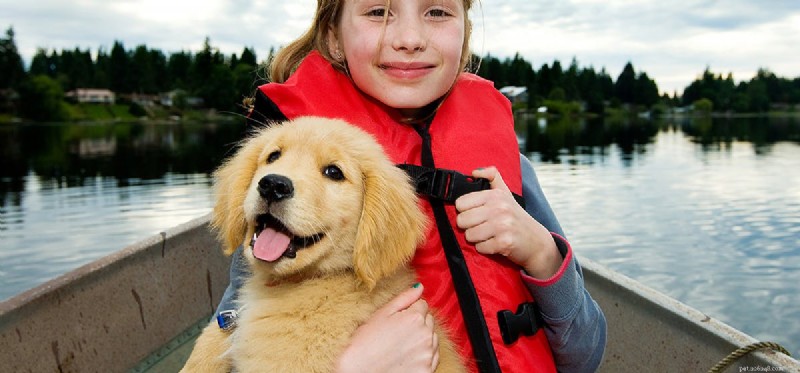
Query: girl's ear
column 231, row 182
column 334, row 49
column 391, row 224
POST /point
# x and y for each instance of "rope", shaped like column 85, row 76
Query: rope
column 742, row 351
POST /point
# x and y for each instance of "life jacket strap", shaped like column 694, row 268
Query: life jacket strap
column 446, row 185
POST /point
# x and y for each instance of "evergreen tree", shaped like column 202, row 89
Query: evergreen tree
column 158, row 64
column 544, row 82
column 120, row 73
column 102, row 66
column 11, row 66
column 248, row 57
column 625, row 86
column 40, row 64
column 142, row 72
column 645, row 91
column 178, row 67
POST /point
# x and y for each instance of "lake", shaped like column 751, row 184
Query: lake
column 706, row 211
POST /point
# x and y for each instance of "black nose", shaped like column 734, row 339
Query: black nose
column 274, row 188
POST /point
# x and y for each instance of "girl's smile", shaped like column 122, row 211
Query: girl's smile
column 407, row 70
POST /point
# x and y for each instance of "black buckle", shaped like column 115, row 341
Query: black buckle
column 443, row 184
column 526, row 321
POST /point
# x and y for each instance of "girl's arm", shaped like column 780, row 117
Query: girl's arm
column 576, row 326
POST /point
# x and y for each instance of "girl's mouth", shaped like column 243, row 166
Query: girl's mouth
column 406, row 70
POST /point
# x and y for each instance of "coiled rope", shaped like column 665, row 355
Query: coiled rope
column 742, row 351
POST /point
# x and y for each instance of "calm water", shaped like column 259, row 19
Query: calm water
column 707, row 212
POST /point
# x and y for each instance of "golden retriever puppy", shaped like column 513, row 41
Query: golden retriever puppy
column 329, row 226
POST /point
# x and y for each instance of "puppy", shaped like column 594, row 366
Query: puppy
column 329, row 226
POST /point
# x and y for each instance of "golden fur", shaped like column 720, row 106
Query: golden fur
column 299, row 313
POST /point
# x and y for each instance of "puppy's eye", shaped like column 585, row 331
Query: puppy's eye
column 333, row 173
column 272, row 157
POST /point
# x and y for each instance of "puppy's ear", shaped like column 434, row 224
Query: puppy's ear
column 231, row 182
column 391, row 225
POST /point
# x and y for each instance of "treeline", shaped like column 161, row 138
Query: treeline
column 595, row 89
column 222, row 81
column 218, row 79
column 763, row 92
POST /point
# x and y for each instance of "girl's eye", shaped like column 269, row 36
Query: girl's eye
column 377, row 12
column 333, row 172
column 272, row 157
column 438, row 13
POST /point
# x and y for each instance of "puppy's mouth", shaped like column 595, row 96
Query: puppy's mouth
column 273, row 240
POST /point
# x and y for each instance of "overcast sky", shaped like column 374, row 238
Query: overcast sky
column 673, row 42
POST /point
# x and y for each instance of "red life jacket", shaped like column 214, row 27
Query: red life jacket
column 472, row 128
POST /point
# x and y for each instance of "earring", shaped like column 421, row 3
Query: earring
column 337, row 54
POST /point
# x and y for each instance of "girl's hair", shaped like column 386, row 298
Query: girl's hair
column 328, row 14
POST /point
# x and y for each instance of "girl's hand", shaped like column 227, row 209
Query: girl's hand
column 399, row 337
column 497, row 224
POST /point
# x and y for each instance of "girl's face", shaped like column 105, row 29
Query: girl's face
column 405, row 55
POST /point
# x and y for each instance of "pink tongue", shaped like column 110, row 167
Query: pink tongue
column 270, row 245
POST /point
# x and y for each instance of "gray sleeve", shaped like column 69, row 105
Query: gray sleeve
column 576, row 326
column 238, row 274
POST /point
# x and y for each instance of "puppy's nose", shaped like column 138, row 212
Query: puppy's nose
column 274, row 188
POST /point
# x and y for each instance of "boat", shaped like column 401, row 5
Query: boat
column 140, row 310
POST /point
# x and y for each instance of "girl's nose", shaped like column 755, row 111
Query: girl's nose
column 409, row 35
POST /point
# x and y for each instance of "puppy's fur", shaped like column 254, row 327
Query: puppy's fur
column 361, row 221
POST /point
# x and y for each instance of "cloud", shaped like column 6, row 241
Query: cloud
column 672, row 42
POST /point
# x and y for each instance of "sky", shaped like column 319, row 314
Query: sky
column 673, row 42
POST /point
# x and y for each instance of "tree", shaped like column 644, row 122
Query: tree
column 703, row 106
column 40, row 64
column 244, row 81
column 645, row 91
column 119, row 71
column 248, row 57
column 219, row 92
column 102, row 66
column 758, row 95
column 142, row 70
column 178, row 67
column 42, row 99
column 624, row 88
column 13, row 71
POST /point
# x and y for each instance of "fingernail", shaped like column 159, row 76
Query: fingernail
column 418, row 284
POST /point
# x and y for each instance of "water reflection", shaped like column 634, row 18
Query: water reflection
column 550, row 140
column 68, row 155
column 554, row 138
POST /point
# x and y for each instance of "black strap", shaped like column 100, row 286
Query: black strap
column 447, row 185
column 478, row 333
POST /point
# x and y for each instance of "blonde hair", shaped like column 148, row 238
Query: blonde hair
column 326, row 18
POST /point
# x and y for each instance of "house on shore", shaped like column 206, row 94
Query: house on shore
column 91, row 95
column 517, row 95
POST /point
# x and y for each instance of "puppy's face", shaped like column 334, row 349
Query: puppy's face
column 316, row 196
column 304, row 202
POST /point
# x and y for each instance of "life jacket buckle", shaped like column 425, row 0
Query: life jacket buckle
column 443, row 184
column 526, row 321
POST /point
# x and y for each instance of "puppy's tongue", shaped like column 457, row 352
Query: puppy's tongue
column 270, row 245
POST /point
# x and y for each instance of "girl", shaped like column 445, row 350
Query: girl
column 396, row 69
